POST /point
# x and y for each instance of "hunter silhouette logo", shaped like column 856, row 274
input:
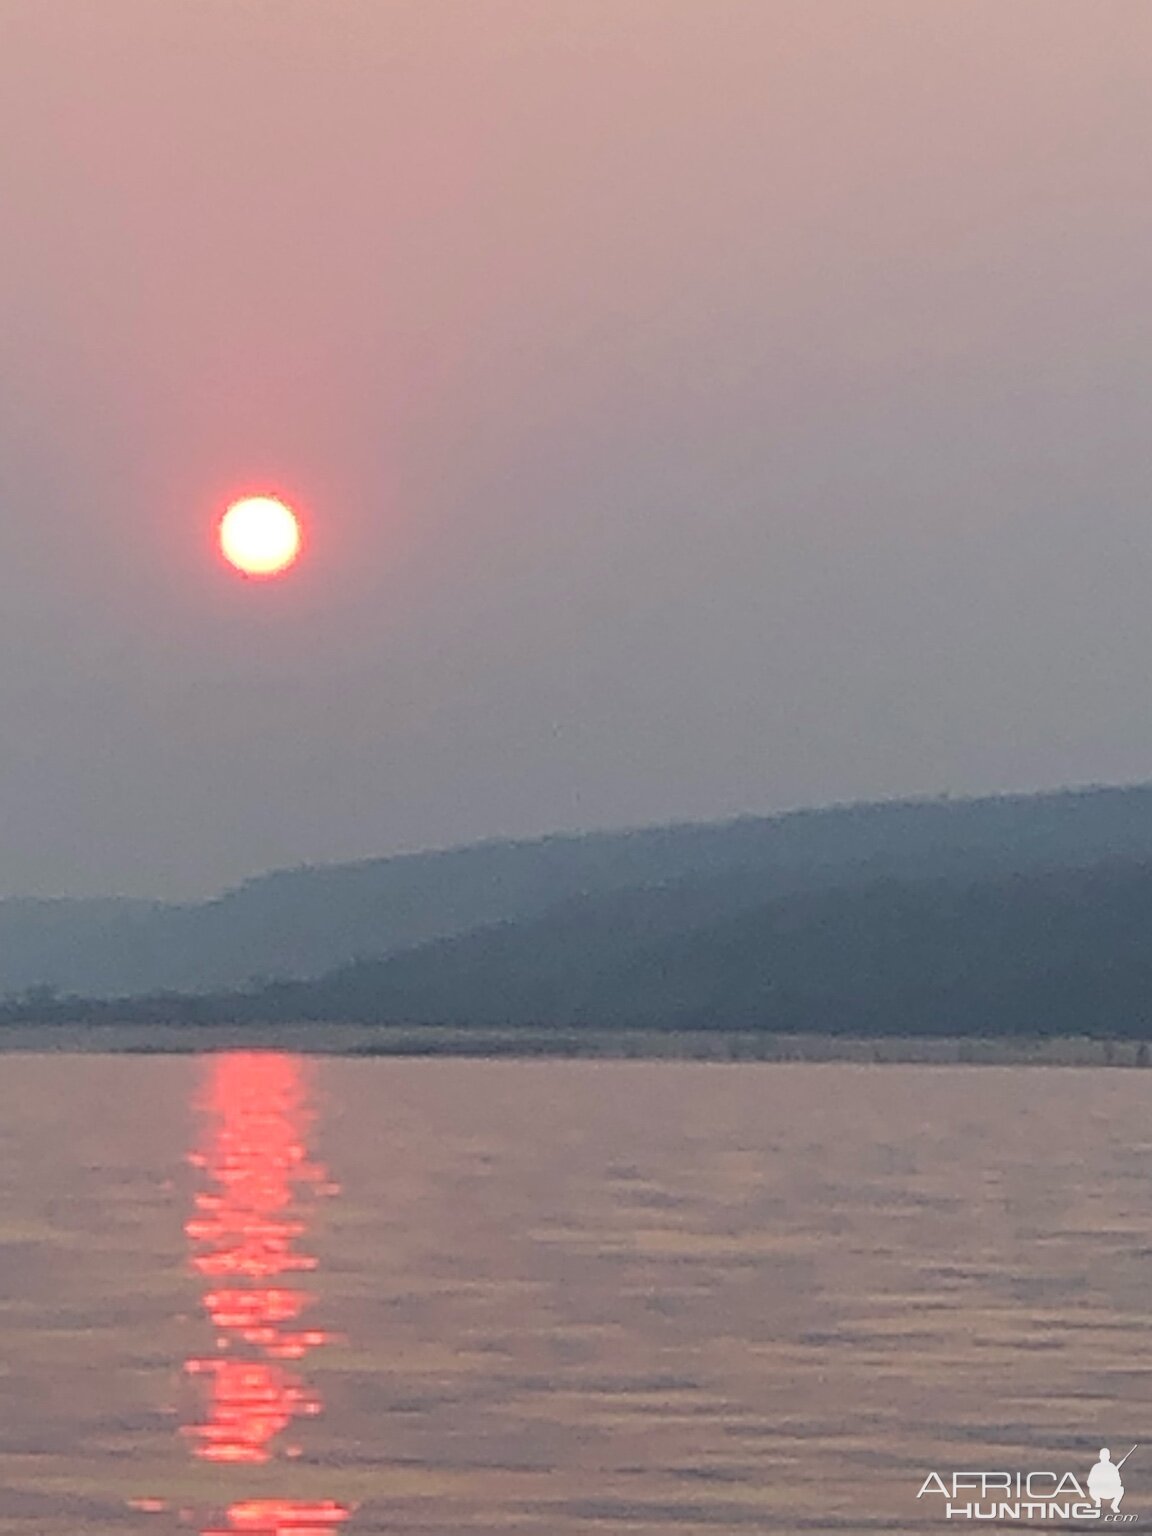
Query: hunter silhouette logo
column 1009, row 1496
column 1104, row 1479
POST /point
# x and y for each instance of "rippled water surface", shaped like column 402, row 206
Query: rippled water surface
column 255, row 1293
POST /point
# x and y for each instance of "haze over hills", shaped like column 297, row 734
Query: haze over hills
column 601, row 901
column 1052, row 952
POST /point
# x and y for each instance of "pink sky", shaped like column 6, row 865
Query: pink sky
column 701, row 406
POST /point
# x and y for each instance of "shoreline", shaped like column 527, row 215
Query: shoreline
column 432, row 1041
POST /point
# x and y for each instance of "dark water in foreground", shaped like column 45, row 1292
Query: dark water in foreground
column 265, row 1295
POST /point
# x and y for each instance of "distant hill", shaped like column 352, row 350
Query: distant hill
column 90, row 945
column 647, row 885
column 1052, row 952
column 1063, row 951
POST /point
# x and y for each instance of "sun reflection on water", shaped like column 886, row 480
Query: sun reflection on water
column 259, row 1186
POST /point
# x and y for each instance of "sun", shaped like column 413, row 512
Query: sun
column 260, row 535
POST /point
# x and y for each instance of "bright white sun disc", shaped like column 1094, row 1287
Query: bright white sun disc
column 260, row 535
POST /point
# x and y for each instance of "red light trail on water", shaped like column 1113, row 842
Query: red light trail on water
column 258, row 1184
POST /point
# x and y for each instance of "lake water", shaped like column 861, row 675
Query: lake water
column 258, row 1293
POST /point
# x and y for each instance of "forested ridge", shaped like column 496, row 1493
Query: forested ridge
column 1053, row 951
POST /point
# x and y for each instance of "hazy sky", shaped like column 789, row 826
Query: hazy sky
column 700, row 406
